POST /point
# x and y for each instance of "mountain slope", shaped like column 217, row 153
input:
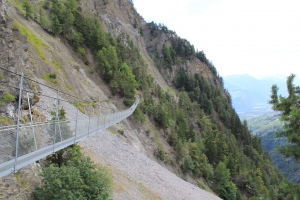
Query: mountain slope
column 185, row 120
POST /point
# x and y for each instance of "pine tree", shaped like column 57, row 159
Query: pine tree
column 56, row 26
column 290, row 115
column 28, row 9
column 188, row 164
column 167, row 56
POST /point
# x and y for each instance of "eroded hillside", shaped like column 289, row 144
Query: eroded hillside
column 104, row 52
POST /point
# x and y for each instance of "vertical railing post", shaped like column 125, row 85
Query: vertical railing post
column 55, row 122
column 109, row 118
column 18, row 125
column 58, row 122
column 76, row 120
column 31, row 122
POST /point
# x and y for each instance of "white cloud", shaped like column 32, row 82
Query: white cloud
column 259, row 37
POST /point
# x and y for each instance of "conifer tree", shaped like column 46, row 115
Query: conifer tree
column 290, row 115
column 56, row 26
column 28, row 9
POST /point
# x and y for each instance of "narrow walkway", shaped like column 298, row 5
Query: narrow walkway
column 25, row 143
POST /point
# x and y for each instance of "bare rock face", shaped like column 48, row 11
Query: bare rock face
column 117, row 14
column 13, row 57
column 19, row 186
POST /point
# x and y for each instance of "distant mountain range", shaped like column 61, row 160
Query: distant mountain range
column 250, row 96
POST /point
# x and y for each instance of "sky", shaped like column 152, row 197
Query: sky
column 256, row 37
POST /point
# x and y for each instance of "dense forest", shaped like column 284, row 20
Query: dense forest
column 210, row 142
column 266, row 127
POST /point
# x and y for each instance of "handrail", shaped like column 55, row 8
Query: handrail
column 34, row 141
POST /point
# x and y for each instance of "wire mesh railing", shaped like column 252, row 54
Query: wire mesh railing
column 28, row 138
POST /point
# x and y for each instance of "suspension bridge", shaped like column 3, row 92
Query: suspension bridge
column 27, row 139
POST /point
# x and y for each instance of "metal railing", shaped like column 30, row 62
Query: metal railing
column 23, row 143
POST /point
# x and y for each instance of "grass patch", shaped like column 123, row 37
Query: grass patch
column 69, row 86
column 56, row 64
column 81, row 105
column 37, row 42
column 4, row 120
column 203, row 186
column 7, row 97
column 50, row 78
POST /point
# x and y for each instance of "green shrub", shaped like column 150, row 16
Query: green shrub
column 77, row 178
column 28, row 9
column 139, row 115
column 7, row 97
column 83, row 53
column 4, row 120
column 203, row 186
column 46, row 4
column 188, row 164
column 50, row 77
column 161, row 153
column 128, row 101
column 69, row 86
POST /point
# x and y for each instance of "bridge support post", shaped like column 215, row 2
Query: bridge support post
column 56, row 119
column 18, row 125
column 31, row 122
